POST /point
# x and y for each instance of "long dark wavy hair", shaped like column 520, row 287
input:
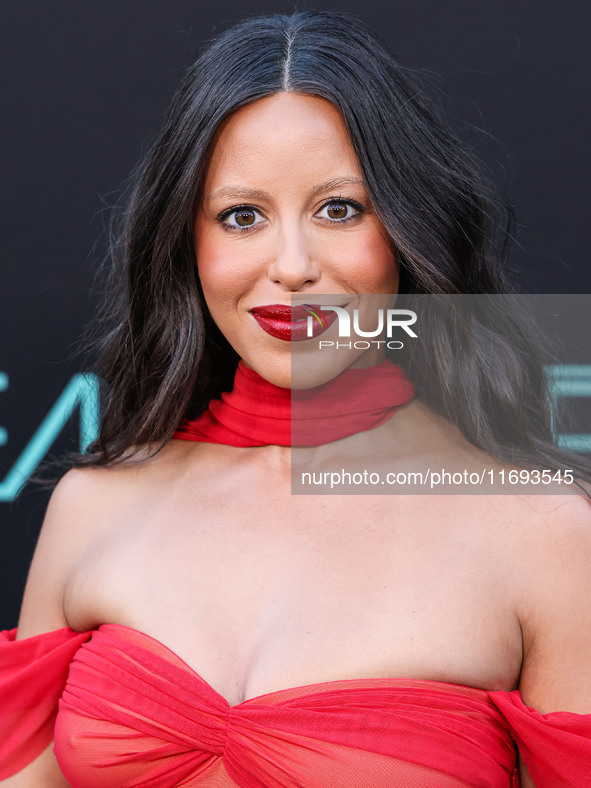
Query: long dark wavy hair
column 161, row 358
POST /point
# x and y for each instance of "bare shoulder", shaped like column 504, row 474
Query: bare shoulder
column 68, row 523
column 87, row 506
column 84, row 494
column 79, row 511
column 544, row 538
column 554, row 530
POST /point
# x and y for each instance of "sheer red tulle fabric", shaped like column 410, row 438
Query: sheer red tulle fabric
column 132, row 713
column 258, row 413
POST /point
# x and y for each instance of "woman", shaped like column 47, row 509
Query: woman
column 178, row 588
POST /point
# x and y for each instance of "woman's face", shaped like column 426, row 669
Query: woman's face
column 283, row 211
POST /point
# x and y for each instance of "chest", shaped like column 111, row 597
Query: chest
column 277, row 590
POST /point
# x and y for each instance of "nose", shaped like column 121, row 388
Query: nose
column 293, row 267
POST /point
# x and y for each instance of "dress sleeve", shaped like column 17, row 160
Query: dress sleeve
column 556, row 747
column 33, row 673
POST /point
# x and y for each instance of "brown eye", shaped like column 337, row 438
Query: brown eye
column 244, row 218
column 336, row 211
column 341, row 211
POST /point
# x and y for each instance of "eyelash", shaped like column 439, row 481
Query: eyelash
column 221, row 217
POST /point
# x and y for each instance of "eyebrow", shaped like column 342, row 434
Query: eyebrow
column 258, row 194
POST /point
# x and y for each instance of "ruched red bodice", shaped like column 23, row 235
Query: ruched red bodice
column 132, row 713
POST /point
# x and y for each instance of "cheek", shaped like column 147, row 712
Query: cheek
column 210, row 260
column 223, row 279
column 371, row 265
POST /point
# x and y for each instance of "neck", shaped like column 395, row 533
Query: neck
column 259, row 413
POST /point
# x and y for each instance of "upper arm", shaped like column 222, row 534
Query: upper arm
column 63, row 535
column 555, row 612
column 556, row 620
column 525, row 781
column 42, row 608
column 43, row 771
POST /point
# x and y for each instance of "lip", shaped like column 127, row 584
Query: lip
column 290, row 323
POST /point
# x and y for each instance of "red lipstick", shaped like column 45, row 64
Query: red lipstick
column 290, row 323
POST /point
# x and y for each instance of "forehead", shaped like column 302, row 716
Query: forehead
column 289, row 131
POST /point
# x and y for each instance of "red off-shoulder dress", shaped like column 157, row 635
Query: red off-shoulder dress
column 125, row 711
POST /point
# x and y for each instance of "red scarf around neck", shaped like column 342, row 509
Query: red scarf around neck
column 259, row 413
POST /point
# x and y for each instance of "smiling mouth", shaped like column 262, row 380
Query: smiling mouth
column 290, row 323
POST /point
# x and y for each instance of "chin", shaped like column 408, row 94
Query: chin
column 306, row 370
column 274, row 370
column 309, row 370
